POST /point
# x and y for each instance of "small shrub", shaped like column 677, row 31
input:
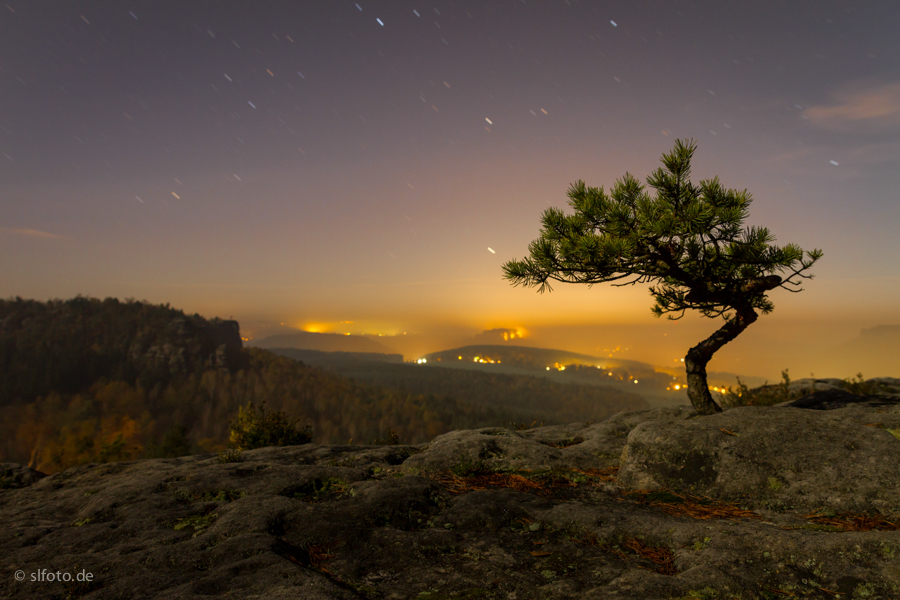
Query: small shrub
column 230, row 456
column 175, row 443
column 766, row 395
column 113, row 450
column 524, row 426
column 259, row 430
column 858, row 385
column 391, row 438
column 317, row 490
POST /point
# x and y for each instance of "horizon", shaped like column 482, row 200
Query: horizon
column 812, row 353
column 363, row 168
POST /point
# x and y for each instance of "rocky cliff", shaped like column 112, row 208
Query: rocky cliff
column 752, row 503
column 66, row 346
column 217, row 342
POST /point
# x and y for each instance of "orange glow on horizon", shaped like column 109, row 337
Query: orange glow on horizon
column 317, row 327
column 379, row 329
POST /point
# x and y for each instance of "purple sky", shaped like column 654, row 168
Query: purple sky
column 369, row 167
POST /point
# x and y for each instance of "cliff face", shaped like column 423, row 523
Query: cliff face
column 67, row 345
column 186, row 343
column 660, row 504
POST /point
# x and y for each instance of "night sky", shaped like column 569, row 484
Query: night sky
column 368, row 167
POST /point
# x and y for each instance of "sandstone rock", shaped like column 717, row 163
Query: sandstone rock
column 833, row 398
column 580, row 446
column 225, row 336
column 216, row 342
column 529, row 514
column 16, row 476
column 837, row 460
column 890, row 385
column 809, row 384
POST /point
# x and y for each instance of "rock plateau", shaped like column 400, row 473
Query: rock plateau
column 752, row 503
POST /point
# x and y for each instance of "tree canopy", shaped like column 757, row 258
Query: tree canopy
column 687, row 240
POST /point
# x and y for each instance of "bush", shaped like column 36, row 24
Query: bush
column 230, row 456
column 391, row 438
column 175, row 443
column 259, row 430
column 860, row 386
column 766, row 395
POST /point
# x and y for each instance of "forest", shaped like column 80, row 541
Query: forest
column 85, row 380
column 547, row 401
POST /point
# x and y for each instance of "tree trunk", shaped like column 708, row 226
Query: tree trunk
column 697, row 358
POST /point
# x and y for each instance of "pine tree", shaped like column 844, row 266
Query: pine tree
column 687, row 240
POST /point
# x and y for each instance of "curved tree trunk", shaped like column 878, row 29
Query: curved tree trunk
column 697, row 358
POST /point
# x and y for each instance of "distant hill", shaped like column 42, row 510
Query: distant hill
column 324, row 342
column 562, row 366
column 532, row 358
column 541, row 398
column 317, row 358
column 655, row 384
